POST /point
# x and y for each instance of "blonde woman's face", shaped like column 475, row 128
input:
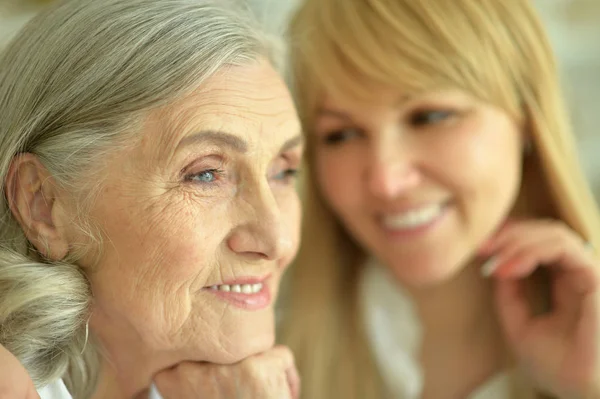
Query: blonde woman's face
column 200, row 219
column 419, row 181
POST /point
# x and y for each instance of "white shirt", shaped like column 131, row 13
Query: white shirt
column 394, row 332
column 58, row 390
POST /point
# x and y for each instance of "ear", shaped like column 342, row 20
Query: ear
column 32, row 198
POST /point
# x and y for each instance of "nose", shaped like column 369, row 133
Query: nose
column 261, row 231
column 393, row 169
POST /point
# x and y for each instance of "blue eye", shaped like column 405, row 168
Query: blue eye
column 206, row 176
column 287, row 175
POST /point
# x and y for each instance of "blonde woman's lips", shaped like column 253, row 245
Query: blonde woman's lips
column 413, row 221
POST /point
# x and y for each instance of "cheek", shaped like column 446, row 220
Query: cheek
column 339, row 174
column 485, row 168
column 289, row 204
column 157, row 258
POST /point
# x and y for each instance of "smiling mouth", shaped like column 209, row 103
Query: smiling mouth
column 248, row 294
column 238, row 288
column 413, row 218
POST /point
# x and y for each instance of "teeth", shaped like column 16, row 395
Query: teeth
column 239, row 288
column 247, row 288
column 412, row 219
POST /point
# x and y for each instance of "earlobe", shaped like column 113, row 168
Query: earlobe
column 31, row 194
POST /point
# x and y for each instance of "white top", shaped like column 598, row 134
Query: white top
column 394, row 332
column 58, row 390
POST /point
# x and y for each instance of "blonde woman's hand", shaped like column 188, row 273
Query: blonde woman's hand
column 269, row 375
column 560, row 350
column 15, row 382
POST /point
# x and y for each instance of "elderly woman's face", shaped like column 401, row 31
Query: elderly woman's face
column 200, row 220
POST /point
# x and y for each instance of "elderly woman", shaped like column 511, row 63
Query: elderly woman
column 148, row 151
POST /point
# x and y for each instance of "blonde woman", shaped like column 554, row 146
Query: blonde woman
column 148, row 153
column 446, row 250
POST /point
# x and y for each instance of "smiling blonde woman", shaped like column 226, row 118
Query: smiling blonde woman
column 443, row 252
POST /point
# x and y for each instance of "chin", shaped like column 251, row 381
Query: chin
column 243, row 334
column 239, row 350
column 425, row 273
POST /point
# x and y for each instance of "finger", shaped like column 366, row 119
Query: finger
column 513, row 308
column 293, row 379
column 587, row 332
column 559, row 257
column 513, row 239
column 488, row 247
column 534, row 230
column 521, row 264
column 519, row 257
column 282, row 355
column 180, row 381
column 510, row 229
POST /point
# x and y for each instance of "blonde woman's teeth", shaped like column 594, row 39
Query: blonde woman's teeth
column 239, row 288
column 413, row 218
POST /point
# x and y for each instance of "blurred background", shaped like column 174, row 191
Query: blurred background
column 573, row 26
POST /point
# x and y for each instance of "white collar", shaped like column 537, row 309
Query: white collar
column 58, row 390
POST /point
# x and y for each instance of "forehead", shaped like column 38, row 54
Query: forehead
column 249, row 101
column 380, row 99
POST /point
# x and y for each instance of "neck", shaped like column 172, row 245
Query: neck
column 109, row 385
column 461, row 309
column 462, row 344
column 127, row 369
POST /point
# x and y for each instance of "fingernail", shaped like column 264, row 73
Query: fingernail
column 483, row 247
column 489, row 266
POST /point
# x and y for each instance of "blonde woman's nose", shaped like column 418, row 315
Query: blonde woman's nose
column 391, row 172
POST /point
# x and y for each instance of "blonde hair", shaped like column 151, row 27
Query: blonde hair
column 76, row 83
column 495, row 50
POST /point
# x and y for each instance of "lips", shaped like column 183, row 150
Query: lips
column 413, row 218
column 239, row 288
column 248, row 294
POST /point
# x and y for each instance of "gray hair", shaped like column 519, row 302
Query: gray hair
column 73, row 83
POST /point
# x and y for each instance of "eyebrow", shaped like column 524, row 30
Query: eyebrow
column 333, row 113
column 232, row 141
column 324, row 111
column 292, row 143
column 216, row 137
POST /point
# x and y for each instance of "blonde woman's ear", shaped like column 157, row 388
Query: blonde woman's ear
column 33, row 201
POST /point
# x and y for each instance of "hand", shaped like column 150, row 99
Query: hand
column 269, row 375
column 15, row 382
column 560, row 349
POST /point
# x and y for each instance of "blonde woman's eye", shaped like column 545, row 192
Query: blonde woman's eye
column 340, row 136
column 431, row 117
